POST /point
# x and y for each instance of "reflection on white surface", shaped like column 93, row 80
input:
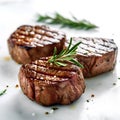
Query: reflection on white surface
column 9, row 1
column 104, row 105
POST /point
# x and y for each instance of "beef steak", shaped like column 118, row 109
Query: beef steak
column 29, row 43
column 98, row 55
column 49, row 84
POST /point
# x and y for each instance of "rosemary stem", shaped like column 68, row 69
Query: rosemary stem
column 58, row 19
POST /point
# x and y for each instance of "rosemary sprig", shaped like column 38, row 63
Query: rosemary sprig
column 58, row 19
column 65, row 55
column 2, row 92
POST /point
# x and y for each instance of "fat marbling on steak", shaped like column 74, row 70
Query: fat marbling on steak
column 98, row 55
column 49, row 84
column 29, row 43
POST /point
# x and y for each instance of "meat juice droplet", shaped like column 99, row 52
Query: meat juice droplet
column 7, row 58
column 16, row 85
column 92, row 95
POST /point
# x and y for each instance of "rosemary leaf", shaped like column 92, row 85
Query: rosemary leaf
column 74, row 48
column 66, row 55
column 76, row 63
column 69, row 44
column 60, row 63
column 2, row 92
column 58, row 19
column 55, row 51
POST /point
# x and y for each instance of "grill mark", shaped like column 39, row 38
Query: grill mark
column 52, row 71
column 90, row 52
column 47, row 29
column 29, row 33
column 96, row 40
column 95, row 50
column 49, row 33
column 21, row 32
column 71, row 69
column 105, row 40
column 33, row 39
column 107, row 46
column 46, row 77
column 103, row 45
column 91, row 48
column 42, row 42
column 26, row 27
column 48, row 36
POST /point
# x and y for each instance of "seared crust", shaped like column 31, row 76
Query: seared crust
column 29, row 43
column 48, row 84
column 98, row 55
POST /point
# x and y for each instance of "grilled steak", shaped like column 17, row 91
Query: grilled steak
column 98, row 55
column 49, row 84
column 29, row 43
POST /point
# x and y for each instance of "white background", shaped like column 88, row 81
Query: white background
column 106, row 103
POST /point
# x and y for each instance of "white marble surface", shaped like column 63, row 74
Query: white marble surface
column 104, row 105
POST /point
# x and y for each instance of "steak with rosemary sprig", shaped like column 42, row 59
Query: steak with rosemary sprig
column 29, row 43
column 49, row 84
column 97, row 55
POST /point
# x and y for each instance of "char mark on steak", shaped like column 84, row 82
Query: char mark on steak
column 29, row 43
column 49, row 84
column 98, row 55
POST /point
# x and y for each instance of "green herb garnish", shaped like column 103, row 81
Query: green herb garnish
column 2, row 92
column 58, row 19
column 66, row 55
